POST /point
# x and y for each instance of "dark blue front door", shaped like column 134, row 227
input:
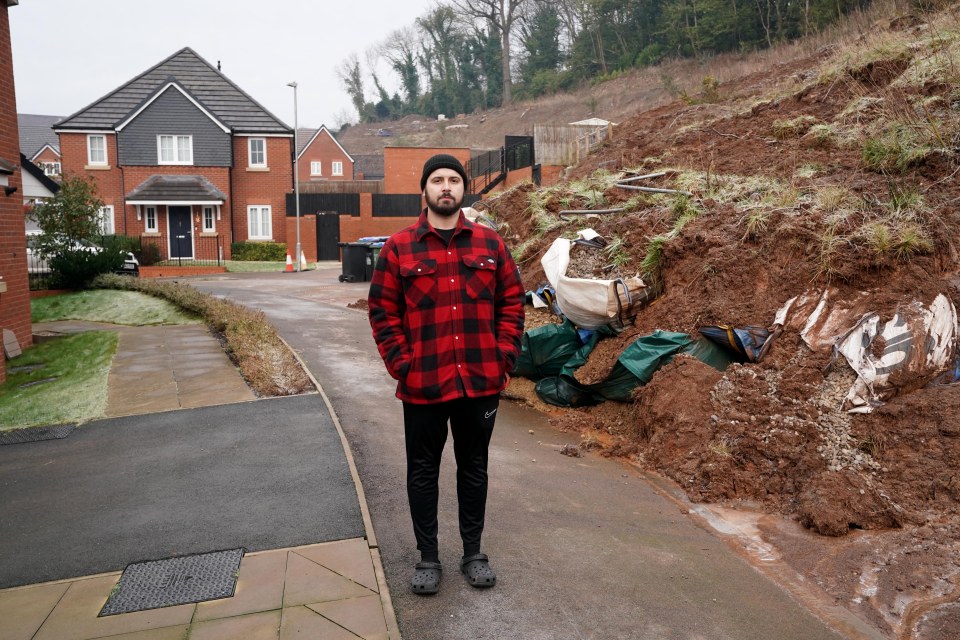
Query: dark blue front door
column 181, row 232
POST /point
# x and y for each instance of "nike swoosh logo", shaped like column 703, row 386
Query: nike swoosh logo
column 489, row 413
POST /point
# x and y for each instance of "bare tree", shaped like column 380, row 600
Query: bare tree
column 352, row 78
column 502, row 15
column 400, row 50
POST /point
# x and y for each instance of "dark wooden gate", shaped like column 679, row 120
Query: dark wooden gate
column 328, row 236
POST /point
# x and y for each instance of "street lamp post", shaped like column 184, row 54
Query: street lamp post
column 296, row 170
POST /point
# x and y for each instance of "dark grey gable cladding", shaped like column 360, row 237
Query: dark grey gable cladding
column 172, row 113
column 225, row 100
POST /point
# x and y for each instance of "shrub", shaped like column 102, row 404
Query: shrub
column 74, row 268
column 259, row 251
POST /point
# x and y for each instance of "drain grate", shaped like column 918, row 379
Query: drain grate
column 36, row 434
column 165, row 583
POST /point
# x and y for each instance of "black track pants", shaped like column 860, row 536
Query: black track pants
column 425, row 429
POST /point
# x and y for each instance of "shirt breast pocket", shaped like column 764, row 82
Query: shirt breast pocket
column 480, row 273
column 420, row 283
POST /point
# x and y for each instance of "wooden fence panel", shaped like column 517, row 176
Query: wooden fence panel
column 565, row 145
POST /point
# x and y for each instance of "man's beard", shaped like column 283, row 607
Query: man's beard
column 445, row 209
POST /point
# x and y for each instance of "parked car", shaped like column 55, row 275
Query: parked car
column 384, row 133
column 37, row 263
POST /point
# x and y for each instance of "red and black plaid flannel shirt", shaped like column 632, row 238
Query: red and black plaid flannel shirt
column 446, row 319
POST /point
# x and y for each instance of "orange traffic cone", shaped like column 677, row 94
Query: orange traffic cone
column 289, row 263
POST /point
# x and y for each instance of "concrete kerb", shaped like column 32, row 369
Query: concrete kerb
column 389, row 614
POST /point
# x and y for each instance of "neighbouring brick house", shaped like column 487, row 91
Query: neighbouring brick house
column 321, row 157
column 37, row 187
column 14, row 288
column 39, row 142
column 184, row 159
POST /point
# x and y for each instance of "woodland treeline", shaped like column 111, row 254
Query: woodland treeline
column 464, row 55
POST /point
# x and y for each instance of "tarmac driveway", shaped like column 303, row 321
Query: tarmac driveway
column 259, row 475
column 584, row 547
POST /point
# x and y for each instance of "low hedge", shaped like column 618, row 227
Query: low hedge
column 259, row 251
column 251, row 341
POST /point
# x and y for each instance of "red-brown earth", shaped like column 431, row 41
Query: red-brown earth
column 776, row 212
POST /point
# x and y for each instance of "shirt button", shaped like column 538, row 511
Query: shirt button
column 456, row 337
column 451, row 280
column 454, row 308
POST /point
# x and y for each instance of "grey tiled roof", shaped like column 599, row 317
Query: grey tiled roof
column 303, row 137
column 36, row 132
column 164, row 188
column 211, row 88
column 371, row 166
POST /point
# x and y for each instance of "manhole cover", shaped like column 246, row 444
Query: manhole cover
column 166, row 583
column 36, row 434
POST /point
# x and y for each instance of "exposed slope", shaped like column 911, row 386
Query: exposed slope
column 834, row 171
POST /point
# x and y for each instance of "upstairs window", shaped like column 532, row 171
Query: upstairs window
column 151, row 220
column 336, row 168
column 50, row 168
column 96, row 149
column 175, row 149
column 258, row 152
column 315, row 168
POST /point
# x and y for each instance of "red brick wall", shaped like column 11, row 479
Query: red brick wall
column 47, row 155
column 308, row 236
column 325, row 150
column 258, row 187
column 109, row 180
column 174, row 271
column 15, row 301
column 403, row 166
column 549, row 176
column 352, row 228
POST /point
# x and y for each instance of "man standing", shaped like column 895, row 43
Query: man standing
column 446, row 308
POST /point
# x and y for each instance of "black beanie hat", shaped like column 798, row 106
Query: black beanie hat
column 441, row 161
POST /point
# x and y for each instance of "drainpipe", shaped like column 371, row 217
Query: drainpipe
column 230, row 170
column 123, row 186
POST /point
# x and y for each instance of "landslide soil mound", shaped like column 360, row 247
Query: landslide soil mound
column 834, row 171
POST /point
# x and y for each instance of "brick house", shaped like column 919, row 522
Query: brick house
column 321, row 157
column 37, row 187
column 39, row 143
column 184, row 159
column 14, row 288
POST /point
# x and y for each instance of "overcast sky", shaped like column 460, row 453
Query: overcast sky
column 69, row 53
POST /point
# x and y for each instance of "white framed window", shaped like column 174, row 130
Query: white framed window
column 50, row 168
column 174, row 149
column 150, row 220
column 336, row 168
column 209, row 220
column 315, row 168
column 257, row 148
column 258, row 221
column 106, row 220
column 96, row 149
